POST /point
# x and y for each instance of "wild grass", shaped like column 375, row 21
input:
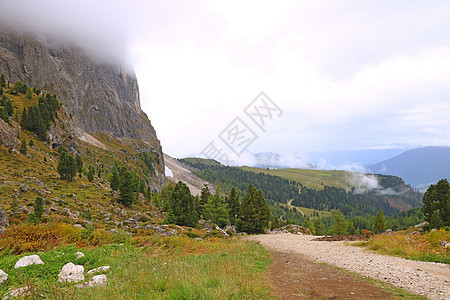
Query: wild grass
column 167, row 268
column 424, row 247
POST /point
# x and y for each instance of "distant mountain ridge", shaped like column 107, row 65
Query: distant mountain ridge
column 419, row 167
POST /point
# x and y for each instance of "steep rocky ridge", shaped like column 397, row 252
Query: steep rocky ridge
column 99, row 97
column 182, row 172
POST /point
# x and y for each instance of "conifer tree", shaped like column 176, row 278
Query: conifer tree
column 233, row 204
column 379, row 225
column 183, row 205
column 437, row 198
column 79, row 164
column 435, row 221
column 275, row 223
column 115, row 180
column 255, row 213
column 66, row 164
column 90, row 174
column 320, row 227
column 4, row 115
column 2, row 81
column 204, row 197
column 38, row 208
column 8, row 105
column 339, row 225
column 214, row 210
column 23, row 148
column 29, row 94
column 126, row 189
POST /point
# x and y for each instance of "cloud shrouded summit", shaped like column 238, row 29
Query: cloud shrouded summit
column 101, row 27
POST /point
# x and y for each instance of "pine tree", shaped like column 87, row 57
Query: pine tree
column 115, row 180
column 255, row 213
column 205, row 194
column 339, row 225
column 4, row 115
column 437, row 198
column 23, row 148
column 379, row 225
column 275, row 223
column 320, row 227
column 183, row 205
column 29, row 94
column 38, row 208
column 8, row 105
column 2, row 81
column 233, row 205
column 126, row 189
column 79, row 164
column 90, row 174
column 66, row 165
column 214, row 210
column 436, row 221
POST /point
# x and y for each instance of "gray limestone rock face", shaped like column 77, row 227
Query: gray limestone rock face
column 99, row 97
column 9, row 134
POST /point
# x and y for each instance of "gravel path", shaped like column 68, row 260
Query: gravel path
column 424, row 278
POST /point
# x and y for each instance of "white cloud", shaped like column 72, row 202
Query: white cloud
column 347, row 74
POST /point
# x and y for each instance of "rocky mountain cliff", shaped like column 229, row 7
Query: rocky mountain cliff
column 99, row 97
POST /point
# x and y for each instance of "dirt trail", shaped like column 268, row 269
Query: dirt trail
column 428, row 279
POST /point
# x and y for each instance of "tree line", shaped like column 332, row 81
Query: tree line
column 350, row 203
column 249, row 214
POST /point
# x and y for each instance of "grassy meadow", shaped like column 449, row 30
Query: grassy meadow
column 314, row 179
column 142, row 267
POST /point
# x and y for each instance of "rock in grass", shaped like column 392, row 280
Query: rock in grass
column 28, row 260
column 19, row 292
column 97, row 280
column 99, row 269
column 3, row 276
column 79, row 255
column 71, row 273
column 4, row 221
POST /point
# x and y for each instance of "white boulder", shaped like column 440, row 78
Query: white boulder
column 3, row 276
column 71, row 273
column 99, row 269
column 97, row 280
column 28, row 260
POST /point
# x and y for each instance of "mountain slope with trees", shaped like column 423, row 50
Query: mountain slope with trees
column 393, row 196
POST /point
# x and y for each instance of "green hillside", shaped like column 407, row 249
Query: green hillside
column 313, row 179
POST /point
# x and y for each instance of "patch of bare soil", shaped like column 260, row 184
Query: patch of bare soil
column 293, row 276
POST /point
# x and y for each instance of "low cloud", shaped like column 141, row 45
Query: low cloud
column 368, row 183
column 271, row 160
column 100, row 27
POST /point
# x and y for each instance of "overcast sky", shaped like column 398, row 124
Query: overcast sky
column 345, row 74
